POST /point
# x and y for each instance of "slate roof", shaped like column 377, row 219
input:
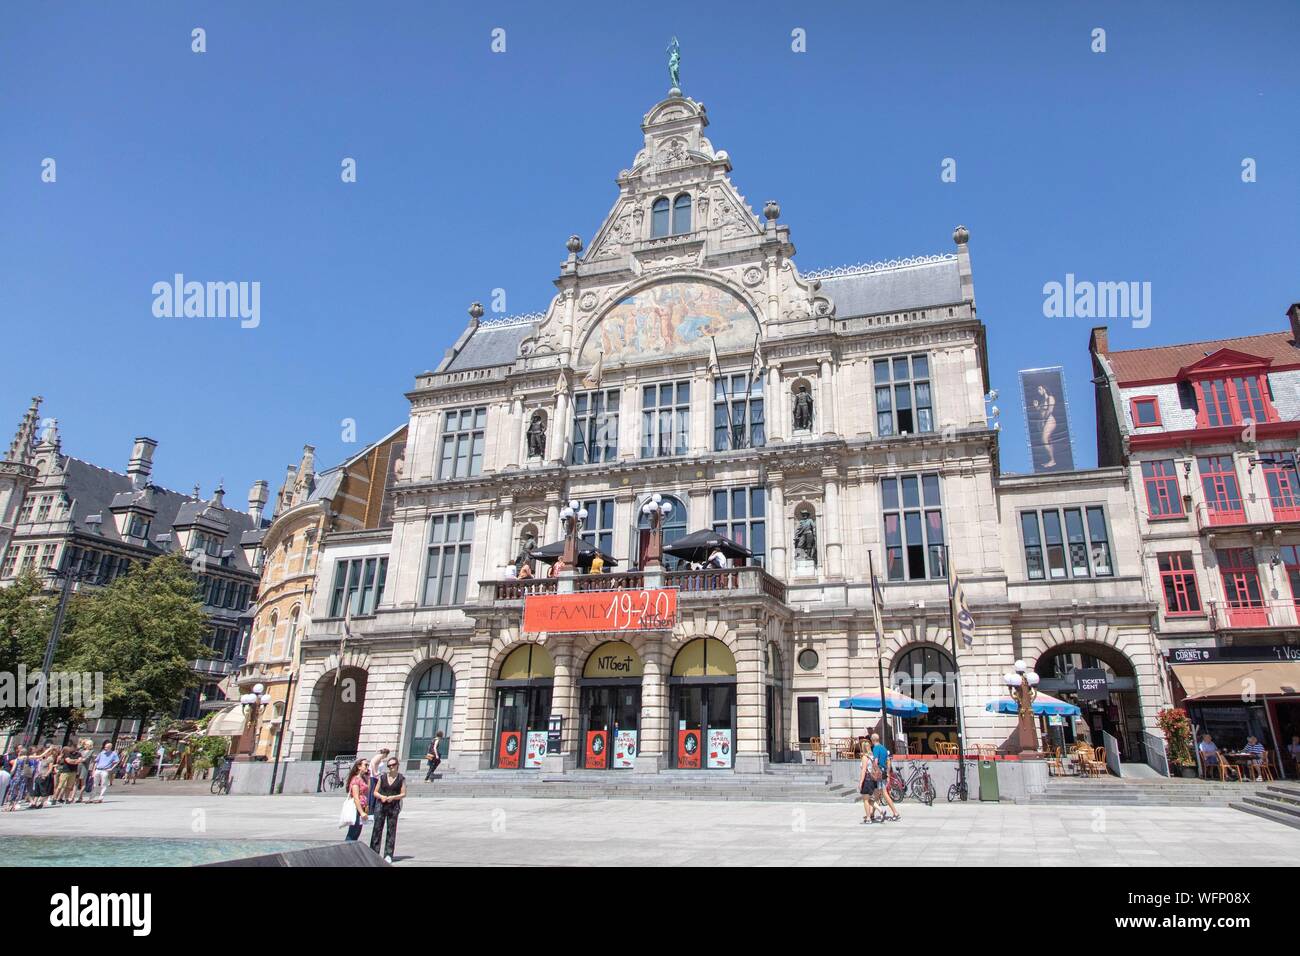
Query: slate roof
column 92, row 490
column 488, row 346
column 1163, row 362
column 894, row 289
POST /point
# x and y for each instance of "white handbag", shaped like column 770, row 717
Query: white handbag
column 348, row 813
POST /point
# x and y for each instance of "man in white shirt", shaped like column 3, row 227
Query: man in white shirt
column 378, row 765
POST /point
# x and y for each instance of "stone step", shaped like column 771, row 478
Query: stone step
column 1268, row 811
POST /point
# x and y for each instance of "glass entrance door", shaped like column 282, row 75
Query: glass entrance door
column 522, row 713
column 611, row 716
column 704, row 721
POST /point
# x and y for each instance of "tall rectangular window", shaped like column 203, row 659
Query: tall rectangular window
column 738, row 412
column 914, row 541
column 665, row 419
column 462, row 442
column 1240, row 577
column 25, row 512
column 43, row 508
column 1291, row 559
column 1232, row 401
column 1163, row 500
column 1219, row 483
column 741, row 514
column 11, row 563
column 1178, row 581
column 595, row 426
column 1066, row 543
column 446, row 576
column 599, row 526
column 904, row 404
column 1283, row 485
column 359, row 584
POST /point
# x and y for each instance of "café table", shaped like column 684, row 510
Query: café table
column 1246, row 763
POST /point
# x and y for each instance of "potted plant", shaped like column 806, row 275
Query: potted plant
column 1177, row 728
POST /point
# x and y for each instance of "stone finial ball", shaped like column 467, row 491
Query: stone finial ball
column 771, row 210
column 574, row 244
column 476, row 311
column 961, row 235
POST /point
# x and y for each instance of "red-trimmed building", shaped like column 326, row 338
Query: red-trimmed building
column 1210, row 432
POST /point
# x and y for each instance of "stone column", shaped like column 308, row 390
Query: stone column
column 564, row 702
column 552, row 532
column 776, row 545
column 751, row 701
column 655, row 736
column 515, row 432
column 776, row 407
column 475, row 746
column 560, row 423
column 831, row 523
column 826, row 399
column 505, row 536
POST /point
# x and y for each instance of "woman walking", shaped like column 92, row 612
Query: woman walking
column 358, row 787
column 869, row 783
column 389, row 793
column 433, row 757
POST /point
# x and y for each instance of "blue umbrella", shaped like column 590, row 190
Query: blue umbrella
column 1044, row 704
column 896, row 704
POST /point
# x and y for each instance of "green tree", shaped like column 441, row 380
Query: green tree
column 26, row 615
column 142, row 632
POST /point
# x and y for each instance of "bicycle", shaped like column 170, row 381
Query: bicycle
column 221, row 778
column 917, row 783
column 334, row 778
column 957, row 791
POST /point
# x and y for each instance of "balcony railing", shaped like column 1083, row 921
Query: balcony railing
column 1228, row 615
column 750, row 580
column 1219, row 514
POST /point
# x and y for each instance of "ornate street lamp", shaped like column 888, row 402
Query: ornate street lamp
column 252, row 705
column 1022, row 683
column 657, row 510
column 574, row 517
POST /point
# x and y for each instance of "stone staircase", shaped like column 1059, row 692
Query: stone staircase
column 1277, row 802
column 1158, row 792
column 782, row 783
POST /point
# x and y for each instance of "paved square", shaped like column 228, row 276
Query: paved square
column 540, row 832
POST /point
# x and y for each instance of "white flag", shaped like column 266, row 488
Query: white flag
column 593, row 377
column 961, row 612
column 715, row 367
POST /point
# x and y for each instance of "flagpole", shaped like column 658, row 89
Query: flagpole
column 880, row 664
column 749, row 388
column 956, row 676
column 726, row 392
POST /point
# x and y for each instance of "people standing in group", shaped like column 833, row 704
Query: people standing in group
column 85, row 770
column 389, row 793
column 43, row 780
column 433, row 757
column 105, row 763
column 67, row 775
column 358, row 788
column 20, row 782
column 884, row 760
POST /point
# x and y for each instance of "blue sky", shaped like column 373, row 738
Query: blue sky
column 474, row 167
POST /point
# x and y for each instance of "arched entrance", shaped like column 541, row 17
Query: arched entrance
column 674, row 527
column 338, row 713
column 703, row 706
column 524, row 684
column 926, row 672
column 1111, row 707
column 611, row 707
column 432, row 697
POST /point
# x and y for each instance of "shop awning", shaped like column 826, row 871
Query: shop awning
column 1254, row 678
column 228, row 723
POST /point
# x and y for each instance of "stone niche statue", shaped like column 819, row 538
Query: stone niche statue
column 803, row 409
column 526, row 545
column 537, row 436
column 805, row 538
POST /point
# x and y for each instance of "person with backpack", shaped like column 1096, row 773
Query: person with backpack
column 882, row 758
column 870, row 782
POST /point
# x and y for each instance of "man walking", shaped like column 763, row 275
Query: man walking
column 105, row 764
column 884, row 759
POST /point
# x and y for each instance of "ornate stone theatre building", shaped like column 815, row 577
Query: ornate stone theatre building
column 824, row 420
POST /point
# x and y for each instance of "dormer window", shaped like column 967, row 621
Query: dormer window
column 1230, row 401
column 1146, row 412
column 682, row 215
column 137, row 526
column 659, row 218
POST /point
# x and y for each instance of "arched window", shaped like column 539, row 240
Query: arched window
column 682, row 215
column 659, row 218
column 269, row 648
column 926, row 672
column 293, row 629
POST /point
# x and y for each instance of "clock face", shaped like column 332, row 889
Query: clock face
column 671, row 319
